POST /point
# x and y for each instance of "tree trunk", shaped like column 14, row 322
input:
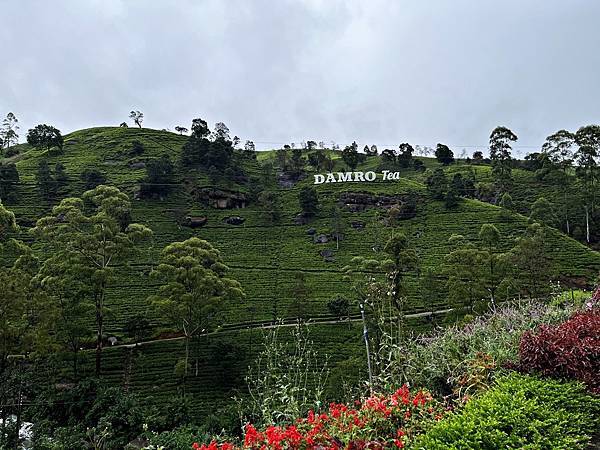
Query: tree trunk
column 366, row 339
column 75, row 364
column 18, row 421
column 187, row 358
column 3, row 411
column 100, row 329
column 587, row 224
column 567, row 215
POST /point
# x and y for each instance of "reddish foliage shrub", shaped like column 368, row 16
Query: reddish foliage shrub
column 568, row 350
column 596, row 297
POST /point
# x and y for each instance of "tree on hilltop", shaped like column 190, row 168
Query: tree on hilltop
column 351, row 156
column 405, row 155
column 500, row 154
column 444, row 155
column 8, row 131
column 137, row 117
column 45, row 136
column 211, row 151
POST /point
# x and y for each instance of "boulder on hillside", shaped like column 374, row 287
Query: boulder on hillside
column 311, row 231
column 234, row 220
column 357, row 225
column 321, row 239
column 195, row 221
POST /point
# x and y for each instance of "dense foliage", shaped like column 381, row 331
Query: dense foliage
column 567, row 350
column 519, row 412
column 461, row 359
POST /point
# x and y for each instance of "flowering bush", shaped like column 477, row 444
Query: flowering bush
column 377, row 422
column 568, row 350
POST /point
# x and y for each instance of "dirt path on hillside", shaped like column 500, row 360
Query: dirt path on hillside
column 266, row 325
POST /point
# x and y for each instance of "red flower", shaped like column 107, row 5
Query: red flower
column 399, row 443
column 274, row 437
column 252, row 436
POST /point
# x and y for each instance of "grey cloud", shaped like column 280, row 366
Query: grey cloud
column 380, row 72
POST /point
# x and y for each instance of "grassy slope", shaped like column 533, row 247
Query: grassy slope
column 262, row 257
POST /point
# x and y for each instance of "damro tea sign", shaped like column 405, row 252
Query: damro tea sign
column 345, row 177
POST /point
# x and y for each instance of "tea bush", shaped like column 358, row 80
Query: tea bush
column 519, row 412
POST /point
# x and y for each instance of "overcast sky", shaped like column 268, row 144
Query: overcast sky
column 277, row 71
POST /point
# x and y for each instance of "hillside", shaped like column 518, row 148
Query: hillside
column 266, row 257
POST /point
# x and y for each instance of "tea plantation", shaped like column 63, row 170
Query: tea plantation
column 266, row 256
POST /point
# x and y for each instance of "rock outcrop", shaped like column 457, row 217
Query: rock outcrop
column 288, row 180
column 221, row 199
column 359, row 201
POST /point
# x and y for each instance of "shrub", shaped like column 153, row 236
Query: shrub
column 568, row 350
column 177, row 439
column 159, row 177
column 285, row 381
column 519, row 412
column 339, row 307
column 445, row 360
column 11, row 151
column 92, row 178
column 309, row 200
column 378, row 421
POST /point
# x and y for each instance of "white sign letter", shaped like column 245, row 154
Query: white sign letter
column 358, row 176
column 346, row 176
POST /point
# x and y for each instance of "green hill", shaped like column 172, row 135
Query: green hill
column 263, row 256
